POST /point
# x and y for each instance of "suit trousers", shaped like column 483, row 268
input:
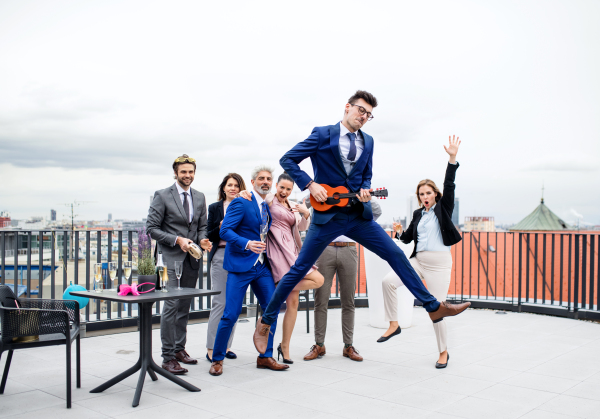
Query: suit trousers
column 341, row 262
column 260, row 279
column 350, row 223
column 435, row 269
column 218, row 278
column 176, row 313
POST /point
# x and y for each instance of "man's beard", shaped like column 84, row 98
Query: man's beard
column 260, row 190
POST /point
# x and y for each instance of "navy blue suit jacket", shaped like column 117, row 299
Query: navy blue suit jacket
column 241, row 224
column 322, row 146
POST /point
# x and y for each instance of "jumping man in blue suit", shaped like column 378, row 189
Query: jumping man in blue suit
column 342, row 155
column 247, row 265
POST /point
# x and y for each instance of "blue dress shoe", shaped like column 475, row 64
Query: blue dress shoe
column 230, row 355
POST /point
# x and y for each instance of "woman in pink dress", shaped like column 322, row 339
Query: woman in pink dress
column 283, row 247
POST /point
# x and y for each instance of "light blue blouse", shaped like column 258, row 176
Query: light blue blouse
column 429, row 234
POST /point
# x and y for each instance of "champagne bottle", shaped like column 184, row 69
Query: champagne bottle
column 160, row 268
column 165, row 278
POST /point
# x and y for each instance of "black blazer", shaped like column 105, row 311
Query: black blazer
column 215, row 216
column 443, row 211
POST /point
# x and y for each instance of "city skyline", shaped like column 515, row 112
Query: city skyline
column 105, row 124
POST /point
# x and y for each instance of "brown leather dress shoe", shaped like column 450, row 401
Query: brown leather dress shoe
column 216, row 368
column 183, row 356
column 352, row 353
column 173, row 367
column 271, row 364
column 447, row 310
column 316, row 351
column 261, row 336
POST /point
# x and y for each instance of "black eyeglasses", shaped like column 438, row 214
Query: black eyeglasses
column 363, row 111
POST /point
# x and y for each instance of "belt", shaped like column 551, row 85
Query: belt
column 343, row 244
column 222, row 246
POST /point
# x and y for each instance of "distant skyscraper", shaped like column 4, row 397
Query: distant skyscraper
column 52, row 215
column 109, row 217
column 411, row 206
column 455, row 212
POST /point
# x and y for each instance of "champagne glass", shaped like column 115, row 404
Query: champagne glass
column 112, row 272
column 98, row 276
column 178, row 272
column 263, row 233
column 127, row 270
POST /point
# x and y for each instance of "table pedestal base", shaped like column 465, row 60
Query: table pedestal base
column 145, row 363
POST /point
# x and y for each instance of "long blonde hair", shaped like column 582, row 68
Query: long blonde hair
column 431, row 184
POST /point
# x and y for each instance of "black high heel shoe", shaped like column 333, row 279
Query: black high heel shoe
column 440, row 366
column 280, row 354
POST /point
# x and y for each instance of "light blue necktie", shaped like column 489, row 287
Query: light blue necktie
column 264, row 217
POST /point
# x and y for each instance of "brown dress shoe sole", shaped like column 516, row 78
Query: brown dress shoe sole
column 175, row 372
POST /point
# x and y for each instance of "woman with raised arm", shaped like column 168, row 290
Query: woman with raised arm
column 229, row 189
column 283, row 246
column 433, row 232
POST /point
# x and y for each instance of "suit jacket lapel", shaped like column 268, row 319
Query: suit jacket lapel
column 221, row 209
column 178, row 202
column 334, row 141
column 368, row 140
column 256, row 208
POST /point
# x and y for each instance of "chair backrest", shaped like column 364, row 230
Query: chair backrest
column 7, row 297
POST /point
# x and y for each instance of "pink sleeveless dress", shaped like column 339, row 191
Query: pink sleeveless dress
column 283, row 241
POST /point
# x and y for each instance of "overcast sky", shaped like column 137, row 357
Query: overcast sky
column 98, row 97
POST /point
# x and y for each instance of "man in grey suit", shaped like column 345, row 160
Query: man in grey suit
column 339, row 259
column 177, row 219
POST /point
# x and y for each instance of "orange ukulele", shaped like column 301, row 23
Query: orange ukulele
column 339, row 197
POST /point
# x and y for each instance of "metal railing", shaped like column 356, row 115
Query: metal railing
column 549, row 273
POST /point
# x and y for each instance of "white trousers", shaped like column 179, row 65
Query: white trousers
column 435, row 269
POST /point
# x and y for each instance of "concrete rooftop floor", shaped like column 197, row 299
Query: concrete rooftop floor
column 514, row 365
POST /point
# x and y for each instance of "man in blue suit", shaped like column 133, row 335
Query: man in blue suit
column 247, row 264
column 342, row 155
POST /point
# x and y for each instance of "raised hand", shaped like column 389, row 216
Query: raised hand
column 452, row 149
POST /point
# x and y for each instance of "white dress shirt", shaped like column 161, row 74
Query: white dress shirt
column 190, row 204
column 345, row 147
column 429, row 234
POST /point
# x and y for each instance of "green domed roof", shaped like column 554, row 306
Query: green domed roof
column 541, row 219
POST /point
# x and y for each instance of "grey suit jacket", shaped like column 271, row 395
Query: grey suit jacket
column 167, row 220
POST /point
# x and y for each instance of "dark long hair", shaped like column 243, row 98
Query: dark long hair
column 238, row 178
column 285, row 176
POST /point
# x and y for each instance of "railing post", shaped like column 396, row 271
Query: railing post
column 16, row 265
column 29, row 264
column 41, row 265
column 3, row 255
column 65, row 258
column 520, row 271
column 584, row 271
column 576, row 284
column 88, row 251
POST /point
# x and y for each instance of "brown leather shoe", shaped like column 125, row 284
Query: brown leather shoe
column 216, row 368
column 261, row 336
column 183, row 356
column 316, row 351
column 447, row 310
column 352, row 353
column 270, row 363
column 173, row 367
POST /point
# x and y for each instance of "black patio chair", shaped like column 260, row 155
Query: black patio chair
column 55, row 322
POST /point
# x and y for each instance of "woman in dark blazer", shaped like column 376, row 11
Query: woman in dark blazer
column 433, row 232
column 229, row 188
